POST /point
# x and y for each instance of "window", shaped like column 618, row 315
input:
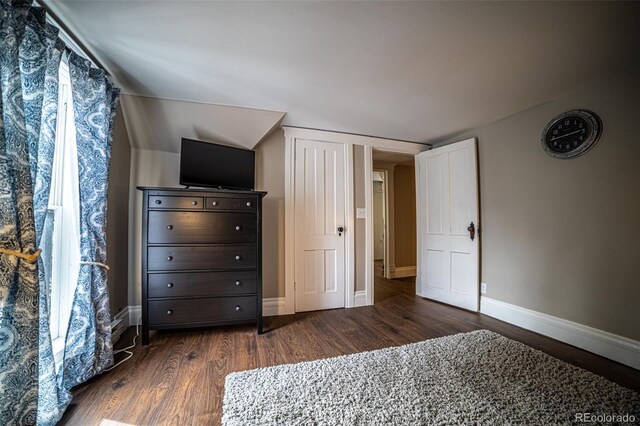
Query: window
column 61, row 239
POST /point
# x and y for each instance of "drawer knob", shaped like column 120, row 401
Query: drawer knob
column 237, row 308
column 169, row 227
column 238, row 282
column 169, row 312
column 194, row 203
column 248, row 203
column 170, row 285
column 169, row 258
column 237, row 227
column 158, row 202
column 214, row 203
column 238, row 257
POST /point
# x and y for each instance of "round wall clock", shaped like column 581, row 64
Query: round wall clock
column 571, row 134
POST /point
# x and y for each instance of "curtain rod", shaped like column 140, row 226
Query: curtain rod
column 68, row 37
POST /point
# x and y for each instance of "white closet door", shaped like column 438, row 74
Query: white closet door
column 320, row 210
column 447, row 205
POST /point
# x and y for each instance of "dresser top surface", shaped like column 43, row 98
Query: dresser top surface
column 190, row 191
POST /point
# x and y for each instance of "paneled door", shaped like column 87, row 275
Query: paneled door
column 320, row 215
column 448, row 239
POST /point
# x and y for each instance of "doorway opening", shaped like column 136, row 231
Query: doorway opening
column 394, row 224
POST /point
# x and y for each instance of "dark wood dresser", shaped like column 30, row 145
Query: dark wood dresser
column 201, row 258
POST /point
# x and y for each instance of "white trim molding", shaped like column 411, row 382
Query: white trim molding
column 135, row 314
column 368, row 205
column 274, row 306
column 350, row 251
column 361, row 299
column 608, row 345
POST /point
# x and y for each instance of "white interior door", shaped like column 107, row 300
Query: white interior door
column 448, row 238
column 320, row 210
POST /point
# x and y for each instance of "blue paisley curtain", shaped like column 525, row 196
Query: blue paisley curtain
column 31, row 392
column 40, row 54
column 88, row 349
column 19, row 301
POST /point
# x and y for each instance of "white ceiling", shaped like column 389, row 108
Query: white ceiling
column 418, row 71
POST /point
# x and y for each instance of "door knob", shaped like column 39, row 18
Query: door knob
column 340, row 231
column 472, row 231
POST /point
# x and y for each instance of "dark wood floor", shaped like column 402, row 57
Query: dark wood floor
column 179, row 378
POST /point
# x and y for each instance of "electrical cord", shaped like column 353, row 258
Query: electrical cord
column 126, row 350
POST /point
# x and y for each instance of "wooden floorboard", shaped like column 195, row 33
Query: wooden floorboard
column 179, row 378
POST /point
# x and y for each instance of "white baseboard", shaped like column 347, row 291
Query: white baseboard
column 608, row 345
column 360, row 299
column 122, row 315
column 273, row 306
column 135, row 314
column 119, row 324
column 402, row 271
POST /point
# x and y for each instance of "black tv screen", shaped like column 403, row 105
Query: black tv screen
column 211, row 165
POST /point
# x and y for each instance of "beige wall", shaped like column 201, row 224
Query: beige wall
column 405, row 215
column 118, row 217
column 270, row 177
column 360, row 237
column 560, row 236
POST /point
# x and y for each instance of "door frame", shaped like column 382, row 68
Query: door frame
column 385, row 208
column 352, row 298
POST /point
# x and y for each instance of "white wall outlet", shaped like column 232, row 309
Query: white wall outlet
column 361, row 213
column 483, row 288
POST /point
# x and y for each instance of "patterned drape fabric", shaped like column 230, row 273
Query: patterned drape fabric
column 30, row 52
column 19, row 299
column 89, row 348
column 40, row 55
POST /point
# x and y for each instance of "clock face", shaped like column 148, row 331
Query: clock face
column 571, row 134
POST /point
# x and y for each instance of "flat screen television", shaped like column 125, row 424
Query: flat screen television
column 211, row 165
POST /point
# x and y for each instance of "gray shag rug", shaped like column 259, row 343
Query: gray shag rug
column 471, row 378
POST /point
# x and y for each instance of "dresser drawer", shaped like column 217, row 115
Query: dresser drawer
column 201, row 258
column 223, row 203
column 166, row 202
column 201, row 227
column 162, row 312
column 192, row 284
